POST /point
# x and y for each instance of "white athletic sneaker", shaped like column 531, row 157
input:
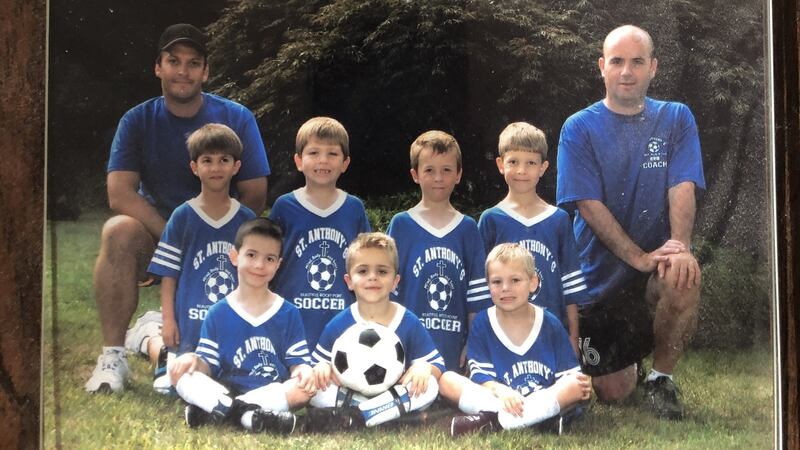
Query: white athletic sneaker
column 109, row 374
column 148, row 325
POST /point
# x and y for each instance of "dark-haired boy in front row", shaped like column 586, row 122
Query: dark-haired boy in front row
column 523, row 369
column 192, row 255
column 251, row 365
column 372, row 274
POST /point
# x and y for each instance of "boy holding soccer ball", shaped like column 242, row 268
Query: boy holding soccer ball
column 372, row 274
column 523, row 369
column 251, row 364
column 192, row 255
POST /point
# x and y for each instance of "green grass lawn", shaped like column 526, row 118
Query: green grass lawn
column 728, row 395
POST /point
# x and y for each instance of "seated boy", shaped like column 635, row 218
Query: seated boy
column 441, row 260
column 371, row 275
column 544, row 230
column 192, row 256
column 522, row 368
column 319, row 221
column 251, row 364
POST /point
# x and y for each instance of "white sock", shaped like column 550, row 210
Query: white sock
column 475, row 399
column 538, row 406
column 655, row 374
column 271, row 397
column 200, row 390
column 383, row 407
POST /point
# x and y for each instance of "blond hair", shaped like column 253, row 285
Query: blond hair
column 439, row 142
column 214, row 138
column 522, row 137
column 325, row 129
column 377, row 240
column 511, row 252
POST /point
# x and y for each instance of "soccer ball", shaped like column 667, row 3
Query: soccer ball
column 368, row 358
column 321, row 273
column 219, row 285
column 439, row 290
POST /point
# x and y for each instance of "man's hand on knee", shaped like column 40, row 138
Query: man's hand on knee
column 680, row 271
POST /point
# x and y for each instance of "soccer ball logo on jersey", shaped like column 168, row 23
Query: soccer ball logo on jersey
column 321, row 270
column 528, row 385
column 656, row 155
column 439, row 288
column 539, row 287
column 264, row 367
column 219, row 282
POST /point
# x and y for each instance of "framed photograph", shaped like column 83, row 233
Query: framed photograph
column 389, row 70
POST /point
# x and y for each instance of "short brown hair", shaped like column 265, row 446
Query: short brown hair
column 377, row 240
column 512, row 252
column 259, row 226
column 438, row 141
column 214, row 138
column 522, row 137
column 324, row 129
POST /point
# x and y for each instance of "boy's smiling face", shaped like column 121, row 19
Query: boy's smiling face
column 437, row 174
column 372, row 275
column 521, row 170
column 510, row 285
column 257, row 260
column 322, row 162
column 215, row 170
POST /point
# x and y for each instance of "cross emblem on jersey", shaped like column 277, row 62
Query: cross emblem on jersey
column 264, row 369
column 222, row 259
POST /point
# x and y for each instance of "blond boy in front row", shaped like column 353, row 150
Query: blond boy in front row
column 372, row 274
column 318, row 222
column 192, row 255
column 543, row 229
column 442, row 276
column 251, row 365
column 523, row 370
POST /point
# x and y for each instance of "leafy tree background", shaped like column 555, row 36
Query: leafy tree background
column 390, row 69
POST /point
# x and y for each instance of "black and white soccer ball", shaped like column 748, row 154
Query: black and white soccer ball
column 368, row 358
column 439, row 291
column 219, row 285
column 322, row 273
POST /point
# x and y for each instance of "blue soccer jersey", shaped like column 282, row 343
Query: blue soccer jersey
column 537, row 363
column 151, row 141
column 442, row 277
column 194, row 250
column 416, row 341
column 315, row 244
column 246, row 352
column 548, row 236
column 628, row 163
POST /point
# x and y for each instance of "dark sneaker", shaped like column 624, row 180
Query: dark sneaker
column 663, row 398
column 279, row 422
column 641, row 376
column 197, row 417
column 554, row 425
column 483, row 421
column 328, row 420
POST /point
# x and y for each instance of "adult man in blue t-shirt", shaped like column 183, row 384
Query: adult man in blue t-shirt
column 149, row 176
column 630, row 165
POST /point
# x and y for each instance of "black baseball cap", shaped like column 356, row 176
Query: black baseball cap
column 183, row 33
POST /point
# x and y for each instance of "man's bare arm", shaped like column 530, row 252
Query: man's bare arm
column 606, row 227
column 682, row 209
column 253, row 194
column 124, row 198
